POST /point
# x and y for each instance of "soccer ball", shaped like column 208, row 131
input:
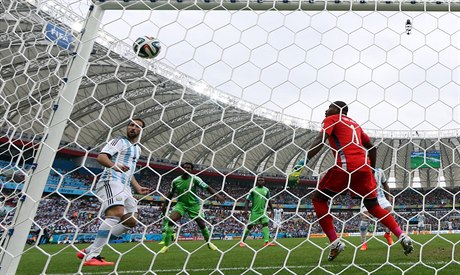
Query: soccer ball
column 147, row 47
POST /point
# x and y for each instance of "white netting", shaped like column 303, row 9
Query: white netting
column 239, row 89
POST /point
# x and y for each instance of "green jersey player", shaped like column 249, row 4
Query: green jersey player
column 259, row 196
column 163, row 232
column 185, row 186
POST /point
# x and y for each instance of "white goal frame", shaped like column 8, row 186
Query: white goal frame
column 14, row 241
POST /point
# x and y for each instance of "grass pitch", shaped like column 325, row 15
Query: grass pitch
column 433, row 253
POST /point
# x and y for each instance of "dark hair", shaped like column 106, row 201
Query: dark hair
column 138, row 119
column 189, row 163
column 342, row 106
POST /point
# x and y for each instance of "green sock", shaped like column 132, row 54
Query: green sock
column 246, row 234
column 164, row 228
column 169, row 231
column 266, row 233
column 205, row 233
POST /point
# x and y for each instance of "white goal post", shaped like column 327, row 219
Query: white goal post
column 14, row 240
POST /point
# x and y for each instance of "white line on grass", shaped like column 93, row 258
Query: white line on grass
column 244, row 268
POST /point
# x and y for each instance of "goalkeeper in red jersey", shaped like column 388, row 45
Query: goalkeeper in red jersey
column 355, row 157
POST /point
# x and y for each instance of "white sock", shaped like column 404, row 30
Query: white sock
column 363, row 227
column 119, row 229
column 102, row 236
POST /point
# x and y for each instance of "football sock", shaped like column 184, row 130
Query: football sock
column 102, row 236
column 363, row 227
column 205, row 233
column 163, row 231
column 325, row 220
column 386, row 219
column 245, row 235
column 266, row 233
column 119, row 229
column 88, row 249
column 168, row 231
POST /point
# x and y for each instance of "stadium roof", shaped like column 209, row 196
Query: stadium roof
column 185, row 120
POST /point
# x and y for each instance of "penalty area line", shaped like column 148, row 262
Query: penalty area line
column 240, row 268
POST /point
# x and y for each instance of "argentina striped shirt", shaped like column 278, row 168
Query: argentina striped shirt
column 123, row 152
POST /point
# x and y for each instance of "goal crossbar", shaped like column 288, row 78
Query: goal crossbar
column 282, row 5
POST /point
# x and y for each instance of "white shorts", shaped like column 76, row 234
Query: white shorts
column 112, row 194
column 384, row 203
column 276, row 224
column 421, row 224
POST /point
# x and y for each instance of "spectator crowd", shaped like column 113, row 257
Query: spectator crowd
column 60, row 213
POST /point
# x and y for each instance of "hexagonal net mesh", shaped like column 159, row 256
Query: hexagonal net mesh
column 239, row 91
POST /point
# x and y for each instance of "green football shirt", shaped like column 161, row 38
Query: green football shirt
column 259, row 197
column 186, row 191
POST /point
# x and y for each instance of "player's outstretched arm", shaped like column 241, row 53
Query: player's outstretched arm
column 246, row 207
column 139, row 188
column 371, row 152
column 296, row 171
column 104, row 160
column 317, row 144
column 212, row 191
column 271, row 208
column 315, row 147
column 169, row 197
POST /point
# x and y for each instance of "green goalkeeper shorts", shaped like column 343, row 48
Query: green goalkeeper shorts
column 258, row 218
column 193, row 211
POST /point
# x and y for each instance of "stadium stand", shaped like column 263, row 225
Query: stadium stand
column 82, row 216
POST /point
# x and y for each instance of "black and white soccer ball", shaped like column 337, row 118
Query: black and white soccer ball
column 147, row 47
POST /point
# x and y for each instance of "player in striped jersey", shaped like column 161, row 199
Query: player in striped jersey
column 277, row 217
column 383, row 197
column 421, row 223
column 450, row 225
column 119, row 207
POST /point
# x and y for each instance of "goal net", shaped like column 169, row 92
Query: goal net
column 239, row 90
column 415, row 229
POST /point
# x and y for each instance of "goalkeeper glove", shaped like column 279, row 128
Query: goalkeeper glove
column 294, row 176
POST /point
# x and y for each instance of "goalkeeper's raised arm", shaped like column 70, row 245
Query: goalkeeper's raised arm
column 296, row 171
column 315, row 147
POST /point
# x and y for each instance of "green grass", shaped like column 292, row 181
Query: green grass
column 299, row 256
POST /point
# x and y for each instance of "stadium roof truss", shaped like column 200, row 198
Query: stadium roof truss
column 182, row 123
